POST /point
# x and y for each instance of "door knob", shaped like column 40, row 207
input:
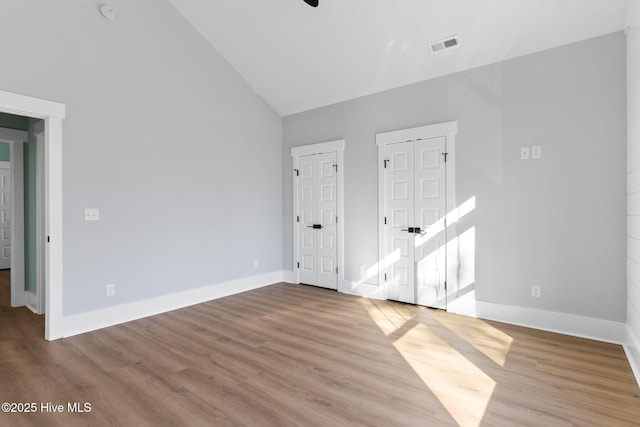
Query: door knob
column 416, row 230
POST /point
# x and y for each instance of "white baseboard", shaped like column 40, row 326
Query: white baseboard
column 31, row 301
column 568, row 324
column 632, row 350
column 289, row 276
column 367, row 290
column 91, row 321
column 18, row 298
column 361, row 289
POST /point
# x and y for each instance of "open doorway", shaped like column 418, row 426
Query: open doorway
column 51, row 113
column 21, row 213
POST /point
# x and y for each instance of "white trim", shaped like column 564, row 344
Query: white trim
column 32, row 302
column 13, row 135
column 447, row 130
column 421, row 132
column 40, row 138
column 289, row 276
column 98, row 319
column 15, row 139
column 18, row 292
column 363, row 289
column 307, row 150
column 53, row 113
column 23, row 105
column 320, row 148
column 562, row 323
column 632, row 350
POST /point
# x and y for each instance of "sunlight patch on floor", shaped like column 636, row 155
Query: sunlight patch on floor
column 462, row 388
column 488, row 340
column 386, row 316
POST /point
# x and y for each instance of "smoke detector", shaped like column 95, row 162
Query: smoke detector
column 448, row 43
column 108, row 12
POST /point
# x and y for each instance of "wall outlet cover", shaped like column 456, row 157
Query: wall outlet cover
column 535, row 291
column 536, row 152
column 525, row 153
column 92, row 214
column 110, row 290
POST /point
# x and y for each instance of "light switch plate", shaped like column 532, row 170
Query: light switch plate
column 91, row 214
column 525, row 153
column 536, row 152
column 110, row 290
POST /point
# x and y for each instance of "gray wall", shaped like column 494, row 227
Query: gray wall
column 557, row 222
column 633, row 185
column 162, row 135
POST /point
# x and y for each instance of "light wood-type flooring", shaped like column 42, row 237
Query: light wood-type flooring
column 294, row 355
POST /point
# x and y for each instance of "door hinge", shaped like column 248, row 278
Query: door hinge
column 336, row 219
column 445, row 285
column 385, row 220
column 48, row 239
column 336, row 270
column 385, row 163
column 336, row 166
column 385, row 277
column 298, row 265
column 298, row 218
column 297, row 172
column 445, row 154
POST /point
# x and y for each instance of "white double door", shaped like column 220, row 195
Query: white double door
column 415, row 232
column 317, row 216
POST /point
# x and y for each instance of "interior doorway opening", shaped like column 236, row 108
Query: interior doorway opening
column 21, row 211
column 52, row 114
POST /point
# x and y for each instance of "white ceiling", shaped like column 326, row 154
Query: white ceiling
column 298, row 57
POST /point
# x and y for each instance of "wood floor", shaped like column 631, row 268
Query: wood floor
column 293, row 355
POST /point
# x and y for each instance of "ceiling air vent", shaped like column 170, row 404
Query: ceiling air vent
column 447, row 43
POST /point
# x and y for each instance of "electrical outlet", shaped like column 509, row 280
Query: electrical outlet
column 535, row 291
column 525, row 153
column 536, row 152
column 92, row 214
column 255, row 263
column 110, row 290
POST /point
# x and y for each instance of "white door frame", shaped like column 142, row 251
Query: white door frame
column 307, row 150
column 16, row 139
column 447, row 130
column 39, row 136
column 53, row 113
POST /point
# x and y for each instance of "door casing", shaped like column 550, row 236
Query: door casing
column 52, row 113
column 307, row 150
column 447, row 130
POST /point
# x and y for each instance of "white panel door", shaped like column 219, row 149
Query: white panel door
column 400, row 214
column 307, row 245
column 317, row 230
column 415, row 242
column 430, row 242
column 5, row 218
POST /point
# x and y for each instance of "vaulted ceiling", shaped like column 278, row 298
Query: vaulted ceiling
column 298, row 57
